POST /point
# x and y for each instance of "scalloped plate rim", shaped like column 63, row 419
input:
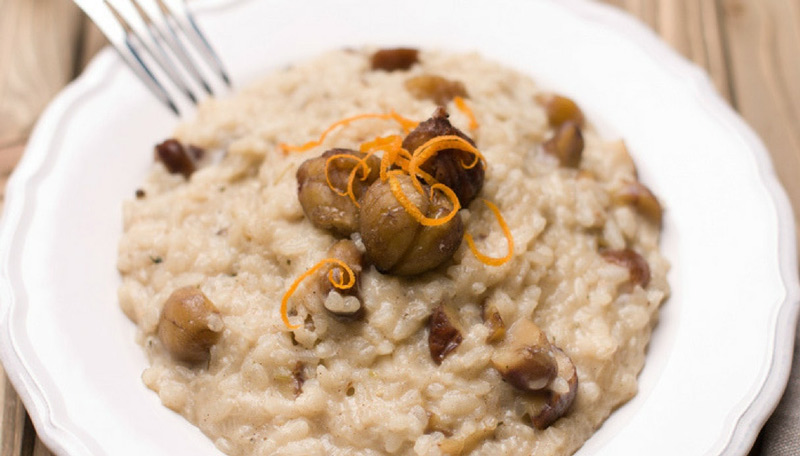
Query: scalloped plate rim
column 59, row 436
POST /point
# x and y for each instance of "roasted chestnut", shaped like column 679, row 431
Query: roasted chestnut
column 448, row 166
column 189, row 325
column 323, row 206
column 395, row 242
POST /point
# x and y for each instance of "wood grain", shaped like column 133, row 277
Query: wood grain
column 764, row 46
column 692, row 27
column 38, row 39
column 9, row 156
column 18, row 436
column 750, row 48
column 91, row 42
column 37, row 58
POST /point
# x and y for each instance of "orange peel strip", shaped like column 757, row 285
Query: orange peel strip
column 390, row 145
column 449, row 193
column 327, row 167
column 435, row 145
column 430, row 180
column 393, row 153
column 397, row 191
column 398, row 157
column 340, row 285
column 365, row 171
column 365, row 168
column 506, row 232
column 405, row 123
column 392, row 158
column 382, row 143
column 389, row 158
column 464, row 108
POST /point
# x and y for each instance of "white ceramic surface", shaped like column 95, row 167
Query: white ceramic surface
column 719, row 357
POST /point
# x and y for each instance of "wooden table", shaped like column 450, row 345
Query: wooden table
column 751, row 49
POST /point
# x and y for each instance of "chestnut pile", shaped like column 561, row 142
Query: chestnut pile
column 395, row 242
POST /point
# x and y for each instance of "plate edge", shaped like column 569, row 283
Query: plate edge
column 62, row 441
column 745, row 431
column 19, row 195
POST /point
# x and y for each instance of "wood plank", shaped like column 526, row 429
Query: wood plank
column 764, row 47
column 764, row 50
column 9, row 156
column 17, row 432
column 759, row 38
column 37, row 58
column 39, row 449
column 693, row 29
column 645, row 10
column 37, row 61
column 92, row 41
column 3, row 386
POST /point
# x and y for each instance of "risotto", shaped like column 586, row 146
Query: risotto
column 403, row 339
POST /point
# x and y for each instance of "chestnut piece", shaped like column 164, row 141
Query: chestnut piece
column 435, row 88
column 448, row 166
column 493, row 321
column 177, row 158
column 189, row 325
column 323, row 206
column 443, row 333
column 560, row 398
column 566, row 144
column 637, row 266
column 529, row 362
column 640, row 197
column 394, row 59
column 395, row 242
column 526, row 359
column 561, row 109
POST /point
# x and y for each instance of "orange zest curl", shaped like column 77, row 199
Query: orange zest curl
column 361, row 163
column 487, row 259
column 327, row 169
column 338, row 284
column 464, row 108
column 451, row 195
column 395, row 162
column 392, row 147
column 406, row 124
column 382, row 143
column 436, row 145
column 430, row 180
column 397, row 191
column 439, row 143
column 365, row 170
column 390, row 157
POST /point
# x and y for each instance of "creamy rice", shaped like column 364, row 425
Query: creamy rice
column 236, row 230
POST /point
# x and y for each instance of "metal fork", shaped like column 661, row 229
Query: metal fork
column 146, row 31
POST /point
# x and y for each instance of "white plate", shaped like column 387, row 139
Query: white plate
column 719, row 357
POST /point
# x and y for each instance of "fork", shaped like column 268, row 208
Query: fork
column 147, row 31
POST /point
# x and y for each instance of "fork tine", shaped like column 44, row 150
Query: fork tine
column 135, row 29
column 144, row 73
column 178, row 9
column 157, row 37
column 155, row 51
column 118, row 37
column 179, row 50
